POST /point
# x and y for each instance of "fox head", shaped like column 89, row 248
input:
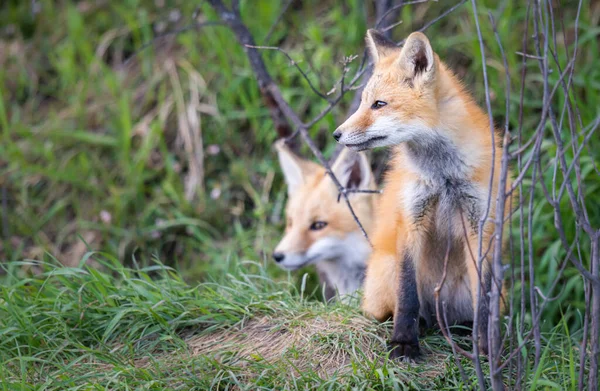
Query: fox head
column 318, row 227
column 399, row 101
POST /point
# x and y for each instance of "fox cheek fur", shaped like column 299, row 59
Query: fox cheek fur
column 434, row 194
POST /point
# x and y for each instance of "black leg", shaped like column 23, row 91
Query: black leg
column 405, row 337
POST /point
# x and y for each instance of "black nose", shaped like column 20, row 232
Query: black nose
column 278, row 257
column 337, row 134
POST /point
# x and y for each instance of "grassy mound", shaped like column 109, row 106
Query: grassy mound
column 119, row 328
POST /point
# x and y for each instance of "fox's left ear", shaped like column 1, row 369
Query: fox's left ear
column 295, row 169
column 379, row 46
column 353, row 170
column 417, row 58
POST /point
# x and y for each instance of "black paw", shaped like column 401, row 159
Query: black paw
column 405, row 351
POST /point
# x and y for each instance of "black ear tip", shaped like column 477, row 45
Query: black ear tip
column 379, row 39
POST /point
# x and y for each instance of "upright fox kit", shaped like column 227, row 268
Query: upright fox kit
column 435, row 193
column 320, row 230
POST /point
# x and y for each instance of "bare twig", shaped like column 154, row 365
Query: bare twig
column 284, row 9
column 5, row 228
column 295, row 64
column 440, row 16
column 529, row 56
column 439, row 312
column 497, row 383
column 495, row 336
column 348, row 191
column 391, row 26
column 396, row 8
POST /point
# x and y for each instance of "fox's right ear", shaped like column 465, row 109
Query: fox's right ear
column 417, row 57
column 379, row 46
column 295, row 169
column 352, row 170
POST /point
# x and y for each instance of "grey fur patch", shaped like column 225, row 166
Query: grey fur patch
column 444, row 183
column 437, row 158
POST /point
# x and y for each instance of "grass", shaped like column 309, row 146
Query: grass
column 163, row 151
column 121, row 328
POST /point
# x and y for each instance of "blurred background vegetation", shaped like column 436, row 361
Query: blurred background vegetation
column 127, row 128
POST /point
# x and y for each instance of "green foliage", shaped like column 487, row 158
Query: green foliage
column 93, row 156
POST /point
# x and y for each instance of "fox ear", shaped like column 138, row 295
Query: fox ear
column 295, row 169
column 417, row 57
column 353, row 170
column 379, row 46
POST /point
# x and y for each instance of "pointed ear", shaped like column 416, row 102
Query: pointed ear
column 417, row 57
column 379, row 46
column 353, row 170
column 295, row 169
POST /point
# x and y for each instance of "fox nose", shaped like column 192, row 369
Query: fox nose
column 337, row 134
column 278, row 257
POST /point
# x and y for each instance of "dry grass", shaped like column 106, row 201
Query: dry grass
column 325, row 344
column 308, row 344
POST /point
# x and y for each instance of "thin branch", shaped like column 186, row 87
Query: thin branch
column 438, row 310
column 497, row 383
column 277, row 20
column 391, row 26
column 396, row 8
column 497, row 266
column 5, row 226
column 295, row 64
column 529, row 56
column 348, row 191
column 441, row 16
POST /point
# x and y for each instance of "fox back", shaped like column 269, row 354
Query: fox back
column 320, row 229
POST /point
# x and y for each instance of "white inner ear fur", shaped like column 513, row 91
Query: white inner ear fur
column 372, row 47
column 417, row 56
column 291, row 167
column 378, row 45
column 349, row 161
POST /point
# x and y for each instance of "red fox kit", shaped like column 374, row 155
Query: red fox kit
column 320, row 230
column 435, row 193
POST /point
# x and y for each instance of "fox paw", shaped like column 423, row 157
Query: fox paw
column 405, row 351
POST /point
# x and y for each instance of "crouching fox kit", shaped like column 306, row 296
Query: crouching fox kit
column 319, row 229
column 435, row 193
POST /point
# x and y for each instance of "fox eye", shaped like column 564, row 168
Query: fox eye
column 318, row 225
column 378, row 104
